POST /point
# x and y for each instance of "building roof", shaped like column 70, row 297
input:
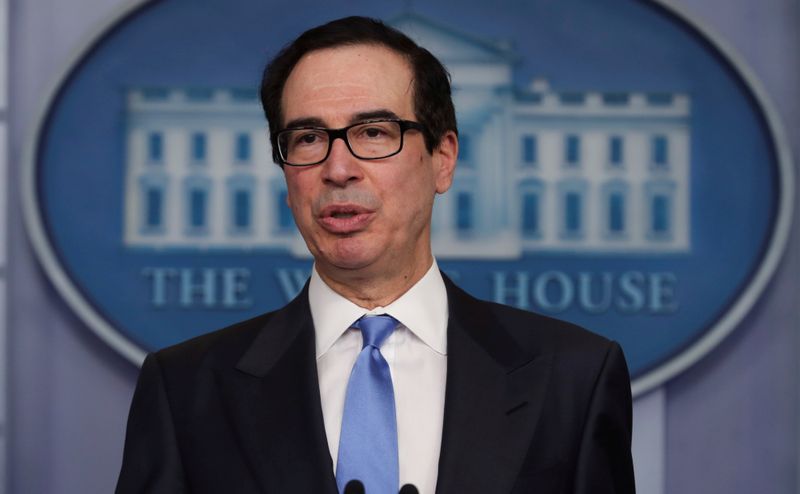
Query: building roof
column 450, row 44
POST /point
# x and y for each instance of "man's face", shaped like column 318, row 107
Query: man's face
column 370, row 216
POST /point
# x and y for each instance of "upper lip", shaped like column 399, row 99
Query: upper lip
column 334, row 209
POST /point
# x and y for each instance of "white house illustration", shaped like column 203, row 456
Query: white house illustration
column 539, row 169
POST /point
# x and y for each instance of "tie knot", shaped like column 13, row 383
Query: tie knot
column 375, row 329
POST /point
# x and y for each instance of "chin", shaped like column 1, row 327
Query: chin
column 351, row 254
column 349, row 263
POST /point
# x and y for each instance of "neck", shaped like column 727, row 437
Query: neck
column 371, row 288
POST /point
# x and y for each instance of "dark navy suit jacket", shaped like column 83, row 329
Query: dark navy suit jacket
column 532, row 405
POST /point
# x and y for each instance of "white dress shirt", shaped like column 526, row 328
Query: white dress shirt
column 417, row 356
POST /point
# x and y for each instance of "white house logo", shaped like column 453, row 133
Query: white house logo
column 600, row 176
column 611, row 176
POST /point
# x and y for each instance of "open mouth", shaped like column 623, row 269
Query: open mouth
column 343, row 211
column 345, row 218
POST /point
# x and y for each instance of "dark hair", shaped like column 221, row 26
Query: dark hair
column 433, row 106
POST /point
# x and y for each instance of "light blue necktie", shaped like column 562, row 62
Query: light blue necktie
column 368, row 441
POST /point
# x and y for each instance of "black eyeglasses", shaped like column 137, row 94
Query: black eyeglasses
column 373, row 140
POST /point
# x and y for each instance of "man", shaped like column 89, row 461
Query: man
column 456, row 395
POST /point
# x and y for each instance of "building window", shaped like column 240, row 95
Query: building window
column 660, row 215
column 531, row 201
column 572, row 150
column 660, row 151
column 573, row 204
column 572, row 199
column 198, row 200
column 285, row 219
column 242, row 148
column 615, row 151
column 660, row 195
column 530, row 214
column 616, row 213
column 196, row 197
column 530, row 151
column 199, row 147
column 155, row 147
column 154, row 208
column 464, row 212
column 240, row 204
column 241, row 209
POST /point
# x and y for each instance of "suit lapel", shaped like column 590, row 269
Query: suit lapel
column 275, row 405
column 492, row 401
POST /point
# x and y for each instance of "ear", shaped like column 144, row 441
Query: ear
column 445, row 156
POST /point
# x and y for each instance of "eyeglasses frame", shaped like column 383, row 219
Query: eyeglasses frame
column 341, row 133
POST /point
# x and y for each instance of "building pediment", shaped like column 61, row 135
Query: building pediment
column 451, row 45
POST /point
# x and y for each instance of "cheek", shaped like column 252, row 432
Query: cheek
column 295, row 196
column 421, row 180
column 412, row 194
column 290, row 198
column 300, row 212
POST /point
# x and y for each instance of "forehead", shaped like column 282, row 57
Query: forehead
column 333, row 84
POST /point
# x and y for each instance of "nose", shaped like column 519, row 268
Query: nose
column 341, row 168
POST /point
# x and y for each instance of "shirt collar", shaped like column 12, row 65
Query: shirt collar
column 422, row 309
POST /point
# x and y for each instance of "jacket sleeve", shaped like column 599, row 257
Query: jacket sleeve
column 604, row 464
column 151, row 461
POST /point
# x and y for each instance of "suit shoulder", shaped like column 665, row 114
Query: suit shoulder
column 526, row 325
column 529, row 329
column 578, row 353
column 226, row 344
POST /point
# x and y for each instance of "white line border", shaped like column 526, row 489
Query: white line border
column 647, row 382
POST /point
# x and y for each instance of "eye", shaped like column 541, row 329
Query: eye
column 373, row 132
column 307, row 137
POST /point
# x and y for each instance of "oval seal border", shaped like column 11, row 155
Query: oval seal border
column 681, row 361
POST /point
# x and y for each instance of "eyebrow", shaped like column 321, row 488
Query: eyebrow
column 373, row 115
column 358, row 117
column 305, row 122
